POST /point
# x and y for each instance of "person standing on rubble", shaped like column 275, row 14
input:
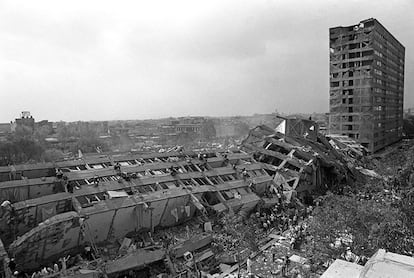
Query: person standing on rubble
column 70, row 187
column 295, row 219
column 173, row 172
column 284, row 267
column 9, row 214
column 287, row 263
column 96, row 180
column 12, row 265
column 88, row 253
column 44, row 272
column 12, row 174
column 225, row 161
column 309, row 210
column 245, row 174
column 59, row 174
column 61, row 185
column 293, row 242
column 167, row 241
column 117, row 168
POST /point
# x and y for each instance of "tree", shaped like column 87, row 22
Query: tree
column 20, row 150
column 41, row 133
column 23, row 132
column 88, row 144
column 52, row 155
column 63, row 134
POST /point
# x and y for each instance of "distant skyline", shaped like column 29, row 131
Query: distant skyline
column 123, row 60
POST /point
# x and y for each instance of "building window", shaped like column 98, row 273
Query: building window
column 378, row 53
column 378, row 72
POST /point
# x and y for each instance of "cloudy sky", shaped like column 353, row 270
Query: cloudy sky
column 106, row 60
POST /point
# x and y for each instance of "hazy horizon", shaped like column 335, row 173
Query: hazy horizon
column 133, row 60
column 167, row 117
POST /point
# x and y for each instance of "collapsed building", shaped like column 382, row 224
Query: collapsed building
column 298, row 157
column 106, row 204
column 101, row 202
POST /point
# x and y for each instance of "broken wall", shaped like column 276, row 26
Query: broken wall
column 16, row 191
column 28, row 214
column 54, row 237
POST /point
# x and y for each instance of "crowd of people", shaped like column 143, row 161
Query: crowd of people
column 280, row 219
column 54, row 269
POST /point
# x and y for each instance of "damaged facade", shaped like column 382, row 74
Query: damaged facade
column 366, row 84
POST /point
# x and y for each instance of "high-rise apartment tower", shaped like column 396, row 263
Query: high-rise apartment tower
column 366, row 84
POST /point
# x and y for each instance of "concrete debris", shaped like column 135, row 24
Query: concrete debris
column 298, row 259
column 195, row 243
column 207, row 227
column 370, row 173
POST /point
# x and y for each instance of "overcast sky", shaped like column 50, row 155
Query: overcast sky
column 107, row 60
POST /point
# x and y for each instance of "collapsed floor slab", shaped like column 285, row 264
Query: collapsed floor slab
column 297, row 163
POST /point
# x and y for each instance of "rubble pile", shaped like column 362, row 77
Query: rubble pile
column 300, row 163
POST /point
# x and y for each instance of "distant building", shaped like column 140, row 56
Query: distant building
column 185, row 125
column 188, row 128
column 409, row 112
column 46, row 125
column 26, row 120
column 366, row 84
column 5, row 129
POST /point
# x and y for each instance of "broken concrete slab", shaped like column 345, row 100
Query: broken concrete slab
column 139, row 258
column 194, row 243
